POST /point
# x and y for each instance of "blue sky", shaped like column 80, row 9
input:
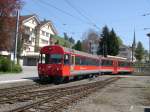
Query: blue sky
column 122, row 15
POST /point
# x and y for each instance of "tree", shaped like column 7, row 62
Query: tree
column 109, row 44
column 139, row 51
column 89, row 37
column 66, row 36
column 119, row 41
column 57, row 42
column 104, row 42
column 7, row 9
column 113, row 48
column 78, row 46
column 71, row 40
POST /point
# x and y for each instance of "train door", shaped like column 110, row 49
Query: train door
column 72, row 63
column 66, row 68
column 115, row 66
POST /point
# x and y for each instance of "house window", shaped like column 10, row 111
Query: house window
column 27, row 29
column 47, row 34
column 32, row 30
column 43, row 33
column 44, row 41
column 33, row 39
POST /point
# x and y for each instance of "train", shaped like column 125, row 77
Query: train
column 62, row 64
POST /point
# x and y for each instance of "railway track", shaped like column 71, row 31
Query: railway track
column 7, row 94
column 50, row 100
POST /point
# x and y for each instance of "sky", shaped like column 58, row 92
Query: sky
column 75, row 17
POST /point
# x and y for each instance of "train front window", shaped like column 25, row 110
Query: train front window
column 53, row 58
column 66, row 59
column 42, row 58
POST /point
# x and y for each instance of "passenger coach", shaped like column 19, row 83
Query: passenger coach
column 60, row 64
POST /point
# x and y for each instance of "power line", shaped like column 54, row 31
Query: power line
column 62, row 11
column 83, row 15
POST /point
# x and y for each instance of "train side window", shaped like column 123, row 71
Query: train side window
column 110, row 62
column 102, row 63
column 83, row 61
column 97, row 62
column 86, row 61
column 77, row 60
column 66, row 59
column 120, row 64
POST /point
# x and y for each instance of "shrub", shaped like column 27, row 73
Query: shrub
column 16, row 68
column 6, row 65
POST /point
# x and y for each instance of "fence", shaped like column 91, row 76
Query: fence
column 142, row 68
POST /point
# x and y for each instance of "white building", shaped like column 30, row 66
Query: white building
column 45, row 30
column 93, row 46
column 126, row 52
column 36, row 34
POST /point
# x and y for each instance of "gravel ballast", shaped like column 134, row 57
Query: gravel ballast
column 129, row 94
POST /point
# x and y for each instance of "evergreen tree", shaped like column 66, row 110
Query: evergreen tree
column 120, row 40
column 66, row 36
column 71, row 40
column 113, row 44
column 139, row 51
column 103, row 44
column 78, row 46
column 109, row 44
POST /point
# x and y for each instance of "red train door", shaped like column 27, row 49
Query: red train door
column 72, row 63
column 66, row 71
column 115, row 66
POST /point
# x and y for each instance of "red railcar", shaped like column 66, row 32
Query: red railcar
column 60, row 63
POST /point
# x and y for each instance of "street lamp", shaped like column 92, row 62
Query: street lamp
column 149, row 45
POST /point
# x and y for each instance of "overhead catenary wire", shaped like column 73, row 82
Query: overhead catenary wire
column 62, row 11
column 67, row 13
column 42, row 17
column 83, row 15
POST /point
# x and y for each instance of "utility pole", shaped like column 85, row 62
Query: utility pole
column 90, row 47
column 133, row 47
column 149, row 45
column 16, row 36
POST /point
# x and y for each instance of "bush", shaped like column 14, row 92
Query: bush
column 6, row 65
column 16, row 68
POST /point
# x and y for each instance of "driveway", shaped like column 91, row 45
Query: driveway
column 29, row 72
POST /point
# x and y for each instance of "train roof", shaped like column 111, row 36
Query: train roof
column 69, row 50
column 80, row 53
column 116, row 57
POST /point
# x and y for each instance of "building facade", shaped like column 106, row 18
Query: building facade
column 126, row 52
column 35, row 35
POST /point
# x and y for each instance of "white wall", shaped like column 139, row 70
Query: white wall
column 47, row 29
column 32, row 24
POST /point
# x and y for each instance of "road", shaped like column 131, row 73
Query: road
column 28, row 73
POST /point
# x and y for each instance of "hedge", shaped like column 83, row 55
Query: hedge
column 6, row 65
